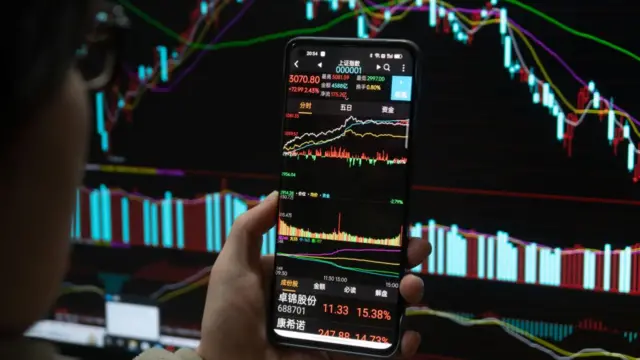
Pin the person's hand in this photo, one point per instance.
(235, 314)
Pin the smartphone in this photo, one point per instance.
(350, 107)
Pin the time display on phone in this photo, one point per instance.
(340, 251)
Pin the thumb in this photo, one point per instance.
(245, 239)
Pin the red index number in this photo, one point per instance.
(357, 336)
(335, 309)
(304, 79)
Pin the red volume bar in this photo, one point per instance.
(118, 218)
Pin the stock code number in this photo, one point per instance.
(291, 309)
(356, 336)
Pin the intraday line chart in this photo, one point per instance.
(350, 262)
(119, 218)
(371, 19)
(305, 146)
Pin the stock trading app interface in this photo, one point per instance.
(343, 189)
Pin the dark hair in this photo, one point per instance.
(48, 34)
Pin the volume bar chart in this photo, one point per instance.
(286, 230)
(352, 159)
(120, 219)
(117, 218)
(468, 254)
(351, 126)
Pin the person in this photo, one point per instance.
(43, 145)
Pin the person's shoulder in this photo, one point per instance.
(162, 354)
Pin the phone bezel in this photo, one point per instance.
(413, 49)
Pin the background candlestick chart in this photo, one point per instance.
(526, 166)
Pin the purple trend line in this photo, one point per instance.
(348, 250)
(217, 38)
(551, 52)
(528, 34)
(565, 65)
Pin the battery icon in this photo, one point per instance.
(397, 56)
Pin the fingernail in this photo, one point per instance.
(273, 195)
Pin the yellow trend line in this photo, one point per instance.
(311, 142)
(557, 90)
(378, 15)
(193, 286)
(497, 322)
(534, 55)
(409, 312)
(344, 258)
(401, 16)
(543, 70)
(188, 52)
(77, 289)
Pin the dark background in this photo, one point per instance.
(480, 144)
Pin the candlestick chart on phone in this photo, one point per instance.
(526, 166)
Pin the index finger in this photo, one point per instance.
(417, 251)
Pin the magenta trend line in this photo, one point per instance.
(564, 64)
(349, 250)
(524, 31)
(195, 62)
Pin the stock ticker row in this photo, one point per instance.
(578, 112)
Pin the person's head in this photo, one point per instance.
(43, 140)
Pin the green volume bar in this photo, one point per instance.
(167, 220)
(154, 225)
(105, 202)
(180, 224)
(124, 210)
(77, 223)
(146, 219)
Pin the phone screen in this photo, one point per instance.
(340, 249)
